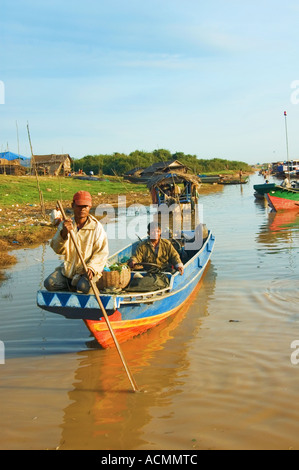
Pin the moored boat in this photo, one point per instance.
(210, 179)
(280, 198)
(260, 190)
(174, 188)
(229, 181)
(132, 313)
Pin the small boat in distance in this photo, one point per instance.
(174, 188)
(210, 179)
(286, 196)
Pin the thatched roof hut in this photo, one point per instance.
(164, 167)
(12, 167)
(52, 164)
(177, 178)
(174, 187)
(134, 175)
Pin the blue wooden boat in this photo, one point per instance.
(131, 313)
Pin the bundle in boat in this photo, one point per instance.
(118, 277)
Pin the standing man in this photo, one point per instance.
(92, 242)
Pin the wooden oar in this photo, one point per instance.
(96, 293)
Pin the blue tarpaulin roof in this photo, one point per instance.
(12, 156)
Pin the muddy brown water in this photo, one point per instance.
(222, 374)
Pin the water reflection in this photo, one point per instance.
(100, 411)
(211, 382)
(279, 230)
(285, 220)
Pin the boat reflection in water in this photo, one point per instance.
(280, 221)
(100, 411)
(278, 230)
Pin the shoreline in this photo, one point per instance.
(25, 227)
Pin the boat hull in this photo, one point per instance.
(262, 189)
(131, 314)
(283, 199)
(128, 329)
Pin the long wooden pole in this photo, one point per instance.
(96, 293)
(287, 144)
(41, 197)
(18, 141)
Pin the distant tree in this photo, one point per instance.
(119, 163)
(142, 159)
(162, 155)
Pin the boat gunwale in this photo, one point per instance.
(283, 189)
(101, 326)
(166, 289)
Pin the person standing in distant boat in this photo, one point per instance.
(56, 217)
(286, 183)
(92, 241)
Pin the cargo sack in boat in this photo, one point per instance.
(118, 276)
(149, 282)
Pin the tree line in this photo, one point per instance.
(120, 163)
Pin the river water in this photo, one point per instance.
(222, 374)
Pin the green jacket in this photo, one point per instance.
(166, 255)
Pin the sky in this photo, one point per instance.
(207, 78)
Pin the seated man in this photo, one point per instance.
(91, 239)
(157, 250)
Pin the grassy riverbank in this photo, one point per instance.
(20, 206)
(22, 224)
(23, 190)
